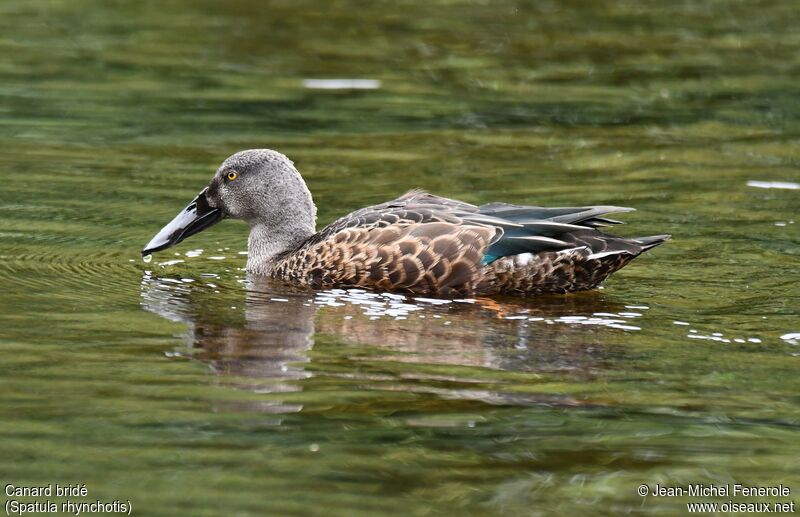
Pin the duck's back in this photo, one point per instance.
(421, 243)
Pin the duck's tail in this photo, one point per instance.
(555, 250)
(651, 241)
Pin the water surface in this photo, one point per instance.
(182, 385)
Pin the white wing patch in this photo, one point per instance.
(523, 259)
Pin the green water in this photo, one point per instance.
(188, 388)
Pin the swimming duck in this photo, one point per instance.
(418, 243)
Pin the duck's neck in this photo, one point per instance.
(286, 218)
(268, 242)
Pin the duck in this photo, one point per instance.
(419, 243)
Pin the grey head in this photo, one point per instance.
(261, 187)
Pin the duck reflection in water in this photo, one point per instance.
(267, 345)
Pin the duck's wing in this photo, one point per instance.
(534, 229)
(414, 207)
(515, 229)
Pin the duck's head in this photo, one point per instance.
(259, 186)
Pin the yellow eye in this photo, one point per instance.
(232, 175)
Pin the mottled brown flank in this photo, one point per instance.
(443, 259)
(436, 257)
